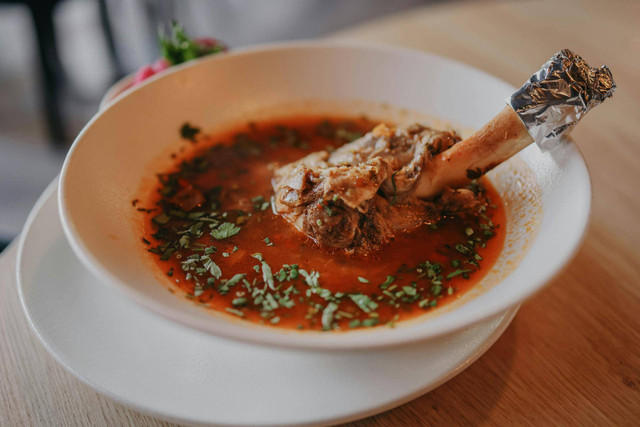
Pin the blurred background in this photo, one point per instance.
(58, 57)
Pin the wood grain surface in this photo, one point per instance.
(572, 355)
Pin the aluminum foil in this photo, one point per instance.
(559, 95)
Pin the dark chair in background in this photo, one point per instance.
(51, 69)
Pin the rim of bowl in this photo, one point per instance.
(372, 338)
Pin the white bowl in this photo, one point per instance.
(118, 88)
(113, 160)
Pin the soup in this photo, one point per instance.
(213, 230)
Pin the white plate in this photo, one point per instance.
(179, 374)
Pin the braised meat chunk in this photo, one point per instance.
(357, 197)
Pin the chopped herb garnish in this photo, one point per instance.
(259, 203)
(161, 219)
(365, 303)
(189, 132)
(239, 302)
(327, 315)
(225, 230)
(463, 249)
(213, 268)
(373, 321)
(234, 311)
(457, 273)
(387, 282)
(362, 280)
(408, 290)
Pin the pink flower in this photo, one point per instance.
(209, 43)
(143, 73)
(160, 65)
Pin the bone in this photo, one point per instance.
(544, 110)
(387, 177)
(495, 142)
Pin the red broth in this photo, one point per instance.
(415, 273)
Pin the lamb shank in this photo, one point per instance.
(396, 178)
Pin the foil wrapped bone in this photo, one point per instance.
(555, 98)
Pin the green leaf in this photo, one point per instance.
(239, 302)
(235, 279)
(355, 323)
(161, 219)
(234, 311)
(365, 303)
(367, 323)
(213, 268)
(267, 275)
(387, 282)
(310, 278)
(189, 132)
(457, 273)
(225, 230)
(327, 315)
(410, 291)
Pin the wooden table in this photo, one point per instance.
(572, 355)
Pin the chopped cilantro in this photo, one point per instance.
(373, 321)
(239, 302)
(235, 279)
(387, 282)
(327, 315)
(327, 209)
(457, 273)
(189, 132)
(365, 303)
(161, 219)
(224, 230)
(234, 311)
(355, 323)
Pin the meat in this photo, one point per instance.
(360, 195)
(374, 185)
